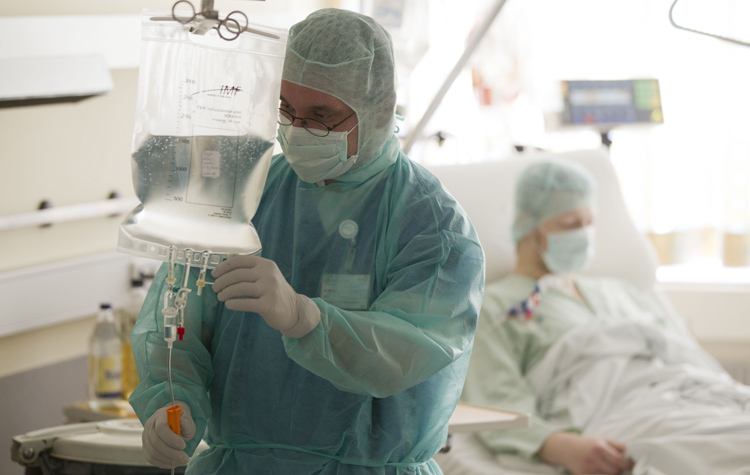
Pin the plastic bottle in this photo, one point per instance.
(105, 361)
(128, 316)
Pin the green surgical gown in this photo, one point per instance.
(505, 350)
(371, 388)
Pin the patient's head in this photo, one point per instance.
(553, 218)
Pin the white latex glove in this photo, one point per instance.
(255, 284)
(163, 447)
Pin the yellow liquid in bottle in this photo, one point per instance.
(129, 371)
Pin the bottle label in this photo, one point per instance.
(129, 371)
(108, 374)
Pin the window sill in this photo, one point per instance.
(704, 276)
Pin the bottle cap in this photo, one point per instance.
(104, 306)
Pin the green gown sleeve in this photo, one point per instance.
(191, 359)
(422, 321)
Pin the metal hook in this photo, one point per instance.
(208, 19)
(239, 28)
(712, 35)
(176, 18)
(211, 17)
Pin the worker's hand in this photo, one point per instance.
(255, 284)
(163, 447)
(585, 455)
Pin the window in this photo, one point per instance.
(686, 182)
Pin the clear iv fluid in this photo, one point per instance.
(170, 324)
(197, 170)
(197, 193)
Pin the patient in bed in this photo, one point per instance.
(613, 382)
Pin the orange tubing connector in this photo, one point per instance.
(173, 418)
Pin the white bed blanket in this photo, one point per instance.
(672, 404)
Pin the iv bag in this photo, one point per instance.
(205, 125)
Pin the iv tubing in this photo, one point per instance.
(170, 282)
(169, 373)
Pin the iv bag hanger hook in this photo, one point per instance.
(207, 11)
(208, 19)
(183, 20)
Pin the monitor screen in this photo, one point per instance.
(597, 103)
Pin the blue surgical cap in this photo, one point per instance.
(350, 57)
(547, 189)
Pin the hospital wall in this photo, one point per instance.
(68, 154)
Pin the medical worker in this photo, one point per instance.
(342, 348)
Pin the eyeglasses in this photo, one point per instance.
(315, 127)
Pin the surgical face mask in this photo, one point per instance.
(315, 159)
(569, 251)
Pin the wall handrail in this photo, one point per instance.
(95, 209)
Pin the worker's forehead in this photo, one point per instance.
(584, 213)
(301, 97)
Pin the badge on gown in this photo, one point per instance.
(347, 291)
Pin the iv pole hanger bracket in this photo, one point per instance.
(207, 19)
(706, 33)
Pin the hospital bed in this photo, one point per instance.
(486, 191)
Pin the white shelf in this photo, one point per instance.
(470, 418)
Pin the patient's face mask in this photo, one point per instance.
(569, 251)
(312, 158)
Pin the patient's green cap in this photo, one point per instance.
(547, 189)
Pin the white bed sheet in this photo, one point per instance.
(666, 399)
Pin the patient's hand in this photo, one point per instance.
(585, 455)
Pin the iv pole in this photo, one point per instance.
(470, 48)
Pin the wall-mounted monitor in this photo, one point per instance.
(606, 104)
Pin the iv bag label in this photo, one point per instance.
(108, 374)
(346, 291)
(213, 170)
(211, 164)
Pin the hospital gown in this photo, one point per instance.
(612, 365)
(371, 388)
(506, 349)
